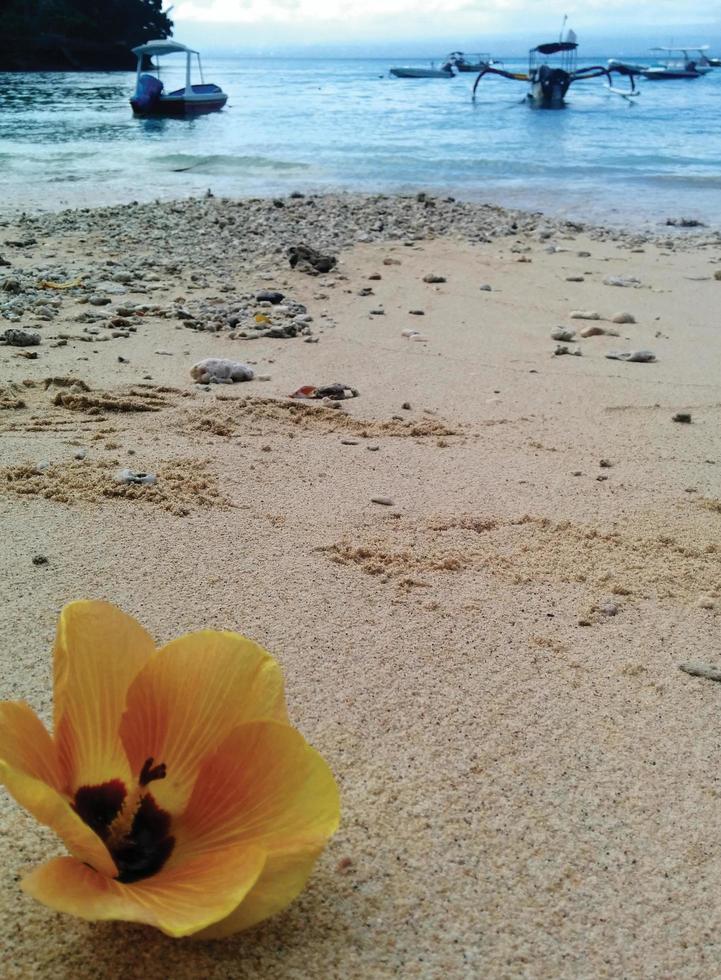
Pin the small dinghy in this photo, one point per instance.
(150, 99)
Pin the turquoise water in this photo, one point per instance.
(69, 139)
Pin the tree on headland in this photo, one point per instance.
(127, 21)
(31, 27)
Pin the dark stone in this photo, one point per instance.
(270, 296)
(308, 259)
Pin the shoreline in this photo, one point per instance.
(489, 662)
(673, 228)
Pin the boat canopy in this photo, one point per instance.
(152, 48)
(555, 46)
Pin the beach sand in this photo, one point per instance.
(489, 663)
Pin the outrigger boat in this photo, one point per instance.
(149, 98)
(549, 83)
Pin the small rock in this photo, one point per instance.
(167, 353)
(349, 442)
(575, 279)
(585, 315)
(608, 608)
(270, 296)
(385, 501)
(408, 333)
(134, 477)
(80, 454)
(39, 560)
(594, 331)
(624, 281)
(605, 464)
(485, 288)
(15, 337)
(122, 360)
(705, 602)
(219, 370)
(641, 356)
(685, 223)
(623, 318)
(563, 333)
(416, 312)
(681, 417)
(430, 278)
(373, 449)
(406, 406)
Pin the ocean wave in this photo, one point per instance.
(223, 163)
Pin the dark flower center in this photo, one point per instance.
(132, 825)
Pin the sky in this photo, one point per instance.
(406, 25)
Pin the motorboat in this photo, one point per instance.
(470, 62)
(445, 71)
(150, 97)
(552, 69)
(677, 64)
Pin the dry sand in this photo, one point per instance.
(529, 781)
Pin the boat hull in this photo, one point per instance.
(420, 73)
(668, 74)
(549, 87)
(201, 99)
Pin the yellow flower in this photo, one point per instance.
(186, 799)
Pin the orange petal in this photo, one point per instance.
(281, 881)
(26, 745)
(28, 769)
(98, 652)
(265, 786)
(179, 901)
(187, 700)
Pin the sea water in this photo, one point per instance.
(313, 125)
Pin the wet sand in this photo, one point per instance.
(490, 662)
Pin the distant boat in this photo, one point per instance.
(470, 62)
(678, 64)
(445, 71)
(150, 99)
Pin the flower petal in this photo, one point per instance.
(25, 743)
(29, 771)
(265, 786)
(281, 881)
(98, 652)
(189, 697)
(179, 901)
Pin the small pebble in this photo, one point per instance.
(349, 442)
(430, 278)
(608, 608)
(39, 560)
(681, 417)
(385, 501)
(134, 477)
(623, 318)
(406, 406)
(80, 454)
(585, 315)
